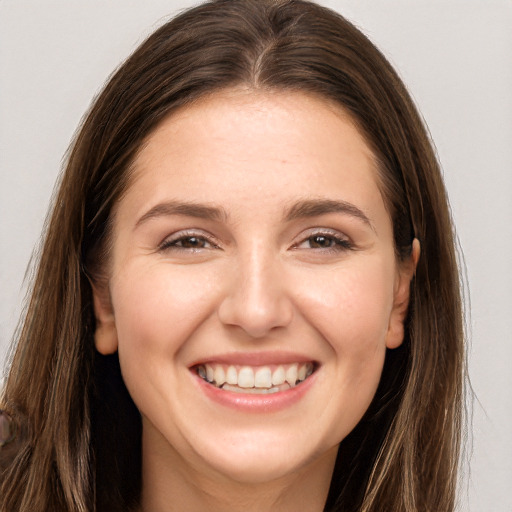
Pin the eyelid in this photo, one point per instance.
(169, 240)
(342, 241)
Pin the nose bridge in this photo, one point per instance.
(256, 273)
(257, 300)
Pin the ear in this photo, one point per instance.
(395, 334)
(105, 335)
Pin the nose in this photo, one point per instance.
(256, 299)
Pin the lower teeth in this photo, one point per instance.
(251, 391)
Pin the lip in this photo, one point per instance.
(254, 358)
(255, 403)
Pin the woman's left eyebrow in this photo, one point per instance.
(316, 207)
(188, 209)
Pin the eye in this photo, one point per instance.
(187, 242)
(325, 241)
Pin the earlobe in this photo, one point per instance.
(395, 334)
(105, 335)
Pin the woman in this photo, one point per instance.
(248, 295)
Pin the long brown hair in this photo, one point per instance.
(78, 446)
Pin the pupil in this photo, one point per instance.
(192, 242)
(321, 241)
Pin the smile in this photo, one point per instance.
(255, 379)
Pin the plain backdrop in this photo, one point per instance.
(455, 57)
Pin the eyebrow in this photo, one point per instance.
(316, 207)
(299, 210)
(189, 209)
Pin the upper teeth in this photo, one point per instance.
(255, 377)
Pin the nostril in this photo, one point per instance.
(256, 317)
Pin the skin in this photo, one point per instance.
(255, 280)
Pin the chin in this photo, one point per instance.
(260, 461)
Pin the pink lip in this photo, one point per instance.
(252, 403)
(254, 358)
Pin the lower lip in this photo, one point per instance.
(268, 402)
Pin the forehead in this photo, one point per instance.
(240, 146)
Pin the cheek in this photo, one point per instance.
(350, 306)
(158, 307)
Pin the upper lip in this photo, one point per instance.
(254, 358)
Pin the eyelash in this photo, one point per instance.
(336, 242)
(173, 242)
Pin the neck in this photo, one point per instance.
(171, 484)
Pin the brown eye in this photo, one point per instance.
(191, 242)
(184, 242)
(325, 242)
(320, 242)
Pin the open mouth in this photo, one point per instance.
(255, 379)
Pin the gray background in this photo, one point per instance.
(456, 58)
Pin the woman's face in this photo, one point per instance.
(253, 285)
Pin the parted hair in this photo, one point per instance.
(78, 444)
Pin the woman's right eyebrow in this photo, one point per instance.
(189, 209)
